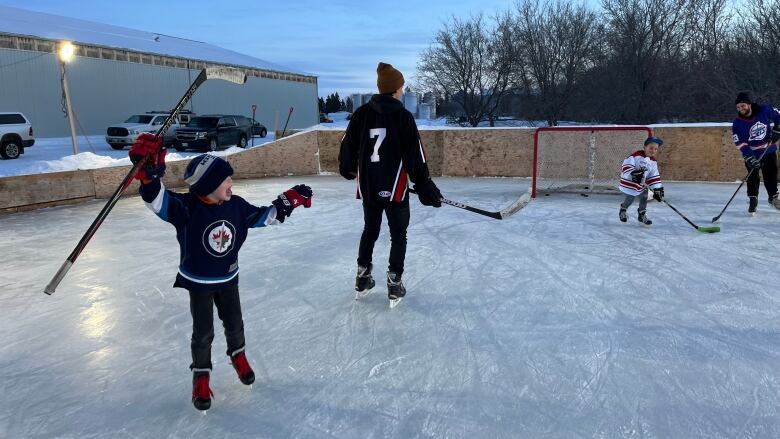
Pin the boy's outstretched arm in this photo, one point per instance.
(282, 206)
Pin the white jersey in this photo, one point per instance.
(651, 178)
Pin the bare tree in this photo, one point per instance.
(469, 65)
(646, 37)
(556, 42)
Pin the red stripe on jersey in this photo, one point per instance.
(653, 180)
(400, 186)
(630, 184)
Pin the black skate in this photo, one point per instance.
(622, 215)
(363, 282)
(774, 202)
(395, 288)
(201, 392)
(753, 205)
(643, 219)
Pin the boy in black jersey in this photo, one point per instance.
(382, 149)
(211, 225)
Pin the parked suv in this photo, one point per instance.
(212, 132)
(121, 135)
(16, 133)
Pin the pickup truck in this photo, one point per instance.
(212, 132)
(16, 133)
(124, 134)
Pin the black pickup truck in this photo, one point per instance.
(213, 132)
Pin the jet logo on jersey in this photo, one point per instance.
(757, 131)
(385, 194)
(218, 238)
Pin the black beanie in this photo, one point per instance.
(743, 97)
(205, 173)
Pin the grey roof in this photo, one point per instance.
(22, 22)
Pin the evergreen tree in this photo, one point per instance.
(321, 104)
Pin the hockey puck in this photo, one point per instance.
(584, 195)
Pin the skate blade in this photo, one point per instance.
(362, 294)
(395, 302)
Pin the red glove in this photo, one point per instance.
(148, 149)
(299, 195)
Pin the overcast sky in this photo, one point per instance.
(339, 41)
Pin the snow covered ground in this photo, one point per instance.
(558, 322)
(56, 154)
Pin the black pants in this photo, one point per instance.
(769, 172)
(202, 310)
(397, 220)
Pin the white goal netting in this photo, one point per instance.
(582, 159)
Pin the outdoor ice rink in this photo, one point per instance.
(558, 322)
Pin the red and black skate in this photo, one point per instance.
(243, 369)
(201, 393)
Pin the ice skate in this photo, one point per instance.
(364, 282)
(753, 205)
(201, 393)
(643, 219)
(395, 288)
(242, 367)
(622, 215)
(775, 202)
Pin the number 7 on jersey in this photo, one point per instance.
(380, 133)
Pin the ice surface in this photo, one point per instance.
(558, 322)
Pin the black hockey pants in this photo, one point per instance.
(397, 220)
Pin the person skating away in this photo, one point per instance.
(211, 225)
(640, 172)
(756, 130)
(383, 150)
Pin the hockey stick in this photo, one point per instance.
(501, 214)
(702, 229)
(717, 217)
(750, 172)
(227, 74)
(289, 113)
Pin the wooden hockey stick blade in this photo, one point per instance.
(226, 74)
(519, 204)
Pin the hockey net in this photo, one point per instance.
(582, 159)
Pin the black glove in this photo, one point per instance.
(752, 162)
(658, 194)
(428, 193)
(637, 175)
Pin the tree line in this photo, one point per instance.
(624, 61)
(333, 103)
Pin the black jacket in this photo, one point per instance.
(382, 147)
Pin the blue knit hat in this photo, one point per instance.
(205, 173)
(655, 140)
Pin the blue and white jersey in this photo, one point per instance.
(752, 135)
(209, 235)
(651, 178)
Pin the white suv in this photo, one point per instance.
(123, 134)
(16, 133)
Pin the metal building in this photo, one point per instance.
(118, 72)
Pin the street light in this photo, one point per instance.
(65, 54)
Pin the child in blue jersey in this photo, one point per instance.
(211, 225)
(640, 172)
(756, 130)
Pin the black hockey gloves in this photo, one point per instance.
(429, 194)
(636, 175)
(752, 162)
(658, 194)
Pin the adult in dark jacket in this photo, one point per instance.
(383, 151)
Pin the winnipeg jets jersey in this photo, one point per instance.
(651, 178)
(209, 235)
(752, 135)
